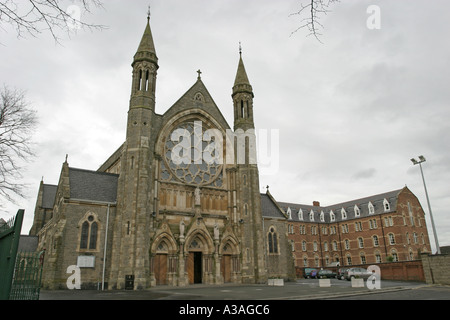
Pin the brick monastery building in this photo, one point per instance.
(147, 218)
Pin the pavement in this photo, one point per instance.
(302, 289)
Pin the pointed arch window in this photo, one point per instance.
(272, 241)
(140, 81)
(89, 234)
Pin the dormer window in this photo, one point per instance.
(332, 216)
(357, 211)
(371, 208)
(386, 205)
(343, 213)
(311, 215)
(322, 216)
(289, 213)
(300, 214)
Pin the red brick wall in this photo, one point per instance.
(400, 271)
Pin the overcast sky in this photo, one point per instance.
(350, 111)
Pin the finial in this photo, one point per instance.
(66, 157)
(240, 49)
(199, 74)
(148, 13)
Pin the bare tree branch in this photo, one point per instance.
(17, 124)
(310, 14)
(32, 17)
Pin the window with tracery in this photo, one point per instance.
(89, 233)
(193, 156)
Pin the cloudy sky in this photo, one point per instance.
(350, 111)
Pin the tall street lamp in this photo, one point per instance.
(414, 161)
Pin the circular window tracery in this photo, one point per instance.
(184, 161)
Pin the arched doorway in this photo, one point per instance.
(194, 261)
(229, 261)
(160, 263)
(163, 260)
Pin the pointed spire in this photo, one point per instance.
(146, 50)
(241, 83)
(241, 75)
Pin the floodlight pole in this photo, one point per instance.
(414, 161)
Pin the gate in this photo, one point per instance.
(9, 243)
(27, 276)
(20, 274)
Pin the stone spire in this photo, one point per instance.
(241, 76)
(145, 66)
(242, 98)
(146, 50)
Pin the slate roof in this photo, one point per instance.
(269, 208)
(48, 196)
(93, 185)
(362, 204)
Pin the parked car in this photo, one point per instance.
(341, 273)
(326, 274)
(357, 273)
(309, 273)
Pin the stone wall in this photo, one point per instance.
(436, 268)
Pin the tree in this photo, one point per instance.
(17, 124)
(310, 14)
(35, 16)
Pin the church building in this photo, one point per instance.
(178, 203)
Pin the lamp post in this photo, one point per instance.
(414, 161)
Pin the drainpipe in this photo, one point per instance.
(105, 246)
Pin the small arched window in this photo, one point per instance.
(273, 241)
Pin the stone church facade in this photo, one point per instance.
(178, 203)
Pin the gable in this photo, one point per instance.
(197, 97)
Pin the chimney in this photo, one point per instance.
(316, 203)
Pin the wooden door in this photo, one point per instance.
(194, 268)
(225, 267)
(161, 269)
(190, 267)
